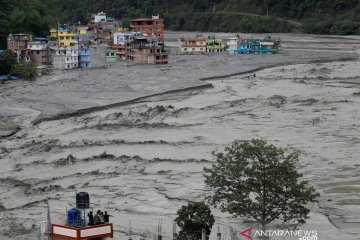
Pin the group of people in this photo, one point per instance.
(99, 218)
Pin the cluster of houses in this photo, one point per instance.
(235, 45)
(102, 41)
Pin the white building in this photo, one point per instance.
(196, 45)
(231, 45)
(100, 17)
(121, 37)
(65, 57)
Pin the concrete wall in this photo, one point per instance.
(98, 56)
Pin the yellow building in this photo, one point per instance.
(65, 38)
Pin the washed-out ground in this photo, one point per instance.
(143, 160)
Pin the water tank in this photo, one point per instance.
(82, 200)
(74, 217)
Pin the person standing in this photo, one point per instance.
(101, 216)
(91, 218)
(97, 220)
(107, 217)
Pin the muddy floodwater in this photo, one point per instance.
(143, 159)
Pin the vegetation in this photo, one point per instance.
(7, 62)
(259, 182)
(324, 16)
(25, 70)
(192, 219)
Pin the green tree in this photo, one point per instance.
(7, 62)
(192, 219)
(259, 182)
(24, 70)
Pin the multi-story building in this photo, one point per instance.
(143, 50)
(214, 45)
(65, 38)
(65, 57)
(120, 39)
(100, 17)
(195, 45)
(18, 44)
(84, 55)
(231, 45)
(83, 34)
(39, 51)
(110, 55)
(120, 51)
(149, 26)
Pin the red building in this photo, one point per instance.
(151, 26)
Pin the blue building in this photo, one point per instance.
(257, 46)
(84, 57)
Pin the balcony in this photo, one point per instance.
(97, 231)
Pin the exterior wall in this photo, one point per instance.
(84, 58)
(231, 41)
(121, 37)
(39, 53)
(193, 45)
(65, 58)
(215, 46)
(193, 49)
(18, 41)
(110, 56)
(232, 49)
(100, 17)
(98, 56)
(149, 26)
(65, 39)
(25, 55)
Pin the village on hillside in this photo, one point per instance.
(104, 41)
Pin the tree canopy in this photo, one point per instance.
(37, 16)
(259, 182)
(192, 219)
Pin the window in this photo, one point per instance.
(193, 49)
(107, 54)
(37, 52)
(67, 38)
(201, 49)
(67, 59)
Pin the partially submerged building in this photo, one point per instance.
(193, 45)
(84, 55)
(214, 45)
(142, 49)
(120, 39)
(64, 58)
(39, 52)
(258, 46)
(110, 55)
(231, 45)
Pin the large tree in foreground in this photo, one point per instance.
(259, 182)
(192, 219)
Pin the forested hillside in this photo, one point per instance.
(308, 16)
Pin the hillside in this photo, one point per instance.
(309, 16)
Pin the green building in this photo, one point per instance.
(214, 45)
(110, 55)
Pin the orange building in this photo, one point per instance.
(151, 26)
